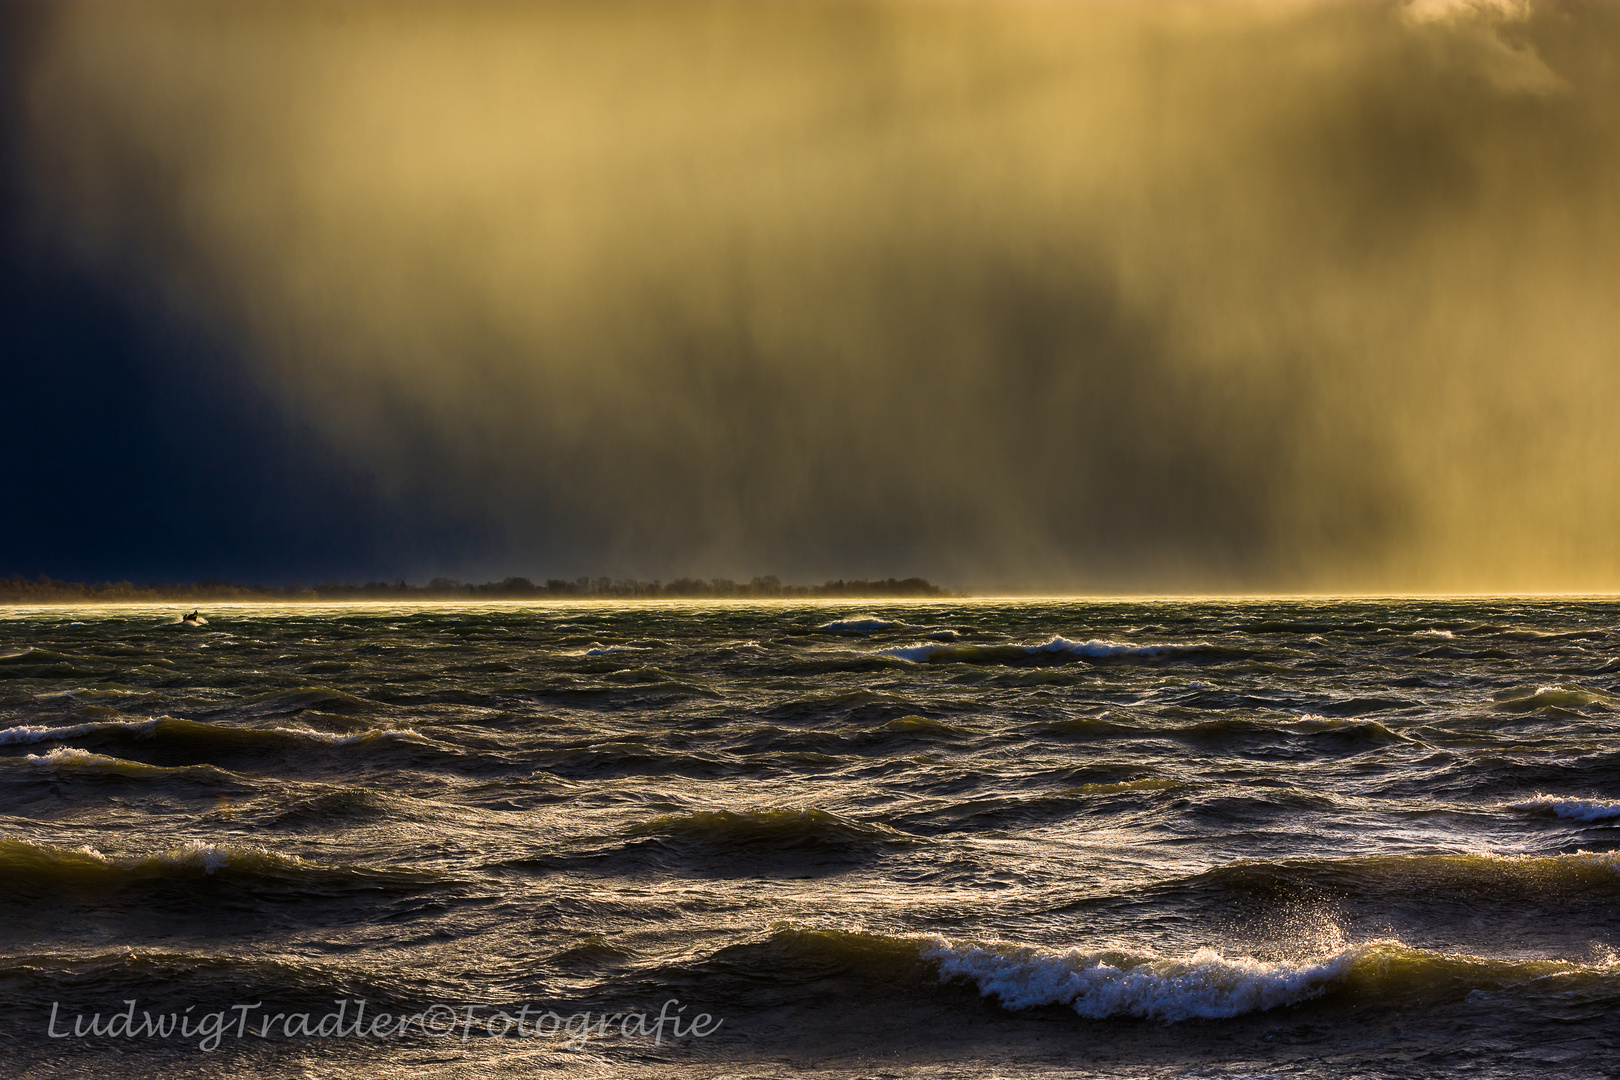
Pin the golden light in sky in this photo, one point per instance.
(1020, 294)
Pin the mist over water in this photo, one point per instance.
(1013, 295)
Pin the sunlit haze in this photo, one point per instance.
(1027, 296)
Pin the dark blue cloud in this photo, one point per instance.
(136, 449)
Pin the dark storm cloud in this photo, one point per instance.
(1035, 295)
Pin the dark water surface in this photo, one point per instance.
(967, 838)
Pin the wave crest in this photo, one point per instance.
(1207, 985)
(1059, 650)
(774, 829)
(197, 734)
(856, 626)
(1561, 698)
(1588, 810)
(1203, 985)
(30, 868)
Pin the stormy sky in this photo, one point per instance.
(1013, 294)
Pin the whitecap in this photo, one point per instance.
(1202, 985)
(1588, 810)
(72, 755)
(856, 626)
(610, 650)
(25, 736)
(206, 857)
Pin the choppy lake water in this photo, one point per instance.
(965, 838)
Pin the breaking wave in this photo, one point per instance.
(1060, 650)
(1203, 985)
(856, 626)
(1208, 985)
(1588, 810)
(613, 650)
(1114, 983)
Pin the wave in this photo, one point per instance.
(28, 867)
(1203, 985)
(23, 735)
(37, 663)
(1125, 982)
(1341, 708)
(35, 655)
(856, 626)
(788, 953)
(1123, 803)
(1127, 786)
(1092, 727)
(592, 952)
(172, 732)
(630, 757)
(71, 757)
(32, 860)
(1059, 650)
(1563, 698)
(776, 830)
(614, 650)
(1208, 985)
(1370, 732)
(1287, 626)
(732, 843)
(836, 745)
(922, 725)
(1442, 878)
(1327, 735)
(856, 706)
(1588, 810)
(1525, 634)
(324, 809)
(306, 698)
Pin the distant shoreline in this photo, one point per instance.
(43, 590)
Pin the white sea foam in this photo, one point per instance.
(1574, 809)
(855, 626)
(71, 755)
(206, 857)
(609, 650)
(1202, 985)
(1431, 632)
(27, 736)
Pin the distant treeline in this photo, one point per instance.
(44, 590)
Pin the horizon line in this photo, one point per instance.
(1102, 598)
